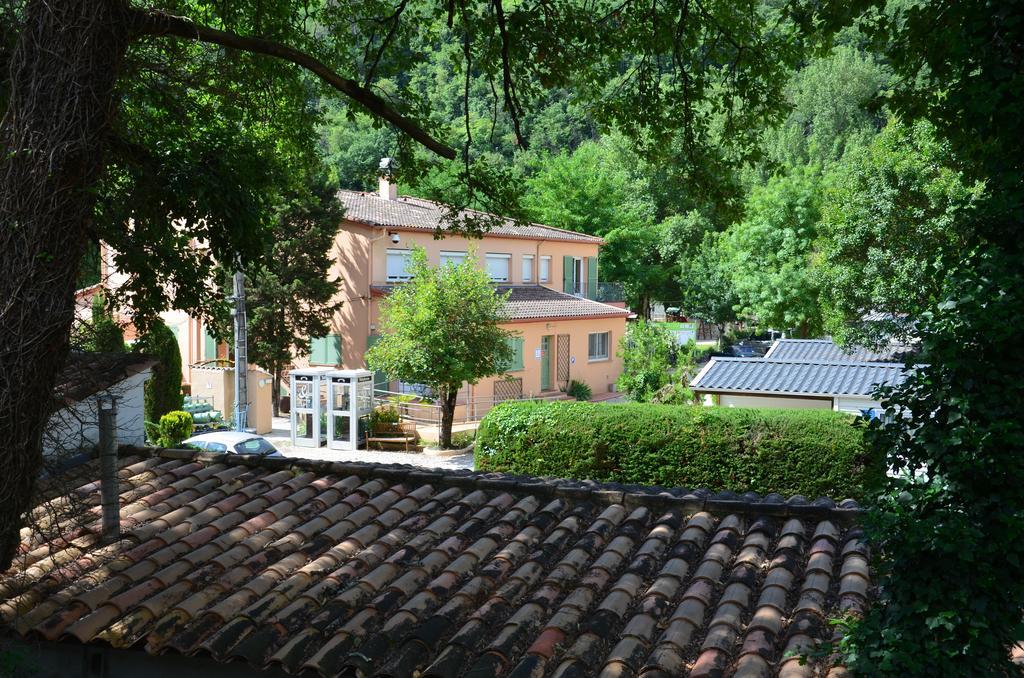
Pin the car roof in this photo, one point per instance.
(229, 437)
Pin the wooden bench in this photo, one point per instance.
(404, 435)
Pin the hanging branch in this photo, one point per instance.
(157, 23)
(394, 19)
(515, 111)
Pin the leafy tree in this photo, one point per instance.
(770, 252)
(184, 118)
(441, 329)
(291, 299)
(952, 572)
(707, 290)
(163, 390)
(645, 351)
(833, 101)
(101, 334)
(895, 220)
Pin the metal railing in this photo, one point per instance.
(425, 412)
(610, 291)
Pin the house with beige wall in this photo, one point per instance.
(551, 275)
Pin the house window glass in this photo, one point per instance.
(453, 258)
(597, 345)
(577, 276)
(325, 350)
(398, 264)
(545, 269)
(498, 267)
(527, 268)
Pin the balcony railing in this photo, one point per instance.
(609, 292)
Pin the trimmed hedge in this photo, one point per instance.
(808, 452)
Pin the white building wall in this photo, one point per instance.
(856, 405)
(769, 401)
(76, 428)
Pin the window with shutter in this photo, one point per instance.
(398, 265)
(527, 268)
(515, 362)
(325, 350)
(545, 269)
(453, 258)
(591, 277)
(209, 345)
(499, 267)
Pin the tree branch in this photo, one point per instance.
(511, 100)
(157, 23)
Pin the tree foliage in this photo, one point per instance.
(163, 390)
(441, 329)
(291, 298)
(770, 254)
(895, 220)
(645, 351)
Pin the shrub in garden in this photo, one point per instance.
(174, 428)
(163, 390)
(579, 390)
(807, 452)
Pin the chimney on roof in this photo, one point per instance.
(388, 186)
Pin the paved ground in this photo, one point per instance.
(281, 438)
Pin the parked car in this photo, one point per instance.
(743, 351)
(233, 442)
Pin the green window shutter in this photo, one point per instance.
(515, 362)
(567, 266)
(209, 345)
(380, 380)
(591, 277)
(325, 350)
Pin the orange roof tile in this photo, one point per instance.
(341, 567)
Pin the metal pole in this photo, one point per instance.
(241, 354)
(108, 469)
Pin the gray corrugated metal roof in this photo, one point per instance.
(826, 350)
(426, 215)
(796, 377)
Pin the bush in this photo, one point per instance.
(163, 390)
(383, 416)
(579, 390)
(812, 453)
(645, 351)
(174, 428)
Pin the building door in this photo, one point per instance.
(562, 361)
(545, 363)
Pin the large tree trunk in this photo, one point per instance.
(448, 399)
(52, 136)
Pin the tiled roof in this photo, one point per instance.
(86, 373)
(795, 377)
(826, 350)
(527, 302)
(341, 568)
(426, 215)
(536, 301)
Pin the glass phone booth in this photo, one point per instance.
(350, 400)
(309, 406)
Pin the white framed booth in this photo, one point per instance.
(309, 406)
(349, 401)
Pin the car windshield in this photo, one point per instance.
(254, 446)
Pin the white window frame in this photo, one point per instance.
(544, 272)
(607, 347)
(453, 257)
(407, 260)
(577, 276)
(499, 256)
(527, 268)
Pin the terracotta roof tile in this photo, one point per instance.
(426, 215)
(356, 569)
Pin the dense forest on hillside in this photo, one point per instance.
(837, 211)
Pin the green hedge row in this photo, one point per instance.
(809, 452)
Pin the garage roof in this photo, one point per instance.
(766, 376)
